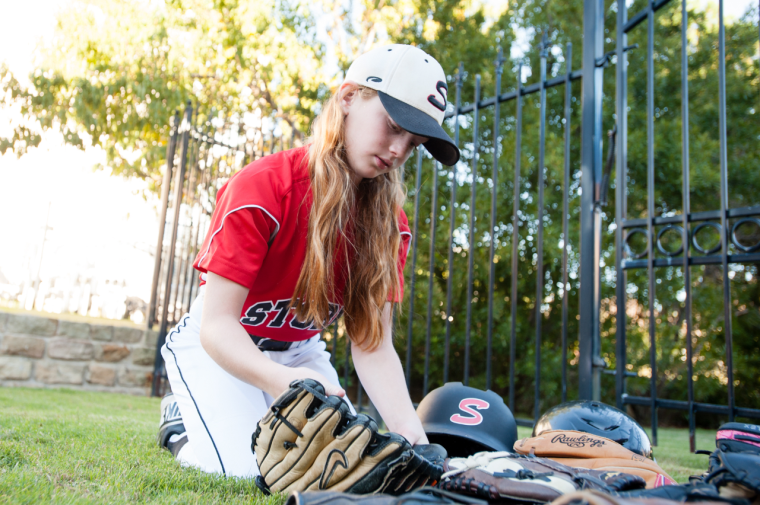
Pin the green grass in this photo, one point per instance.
(67, 446)
(672, 452)
(64, 446)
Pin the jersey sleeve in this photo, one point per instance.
(403, 252)
(243, 224)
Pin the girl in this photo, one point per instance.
(296, 239)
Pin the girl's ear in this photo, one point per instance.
(348, 92)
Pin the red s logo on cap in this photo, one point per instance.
(464, 406)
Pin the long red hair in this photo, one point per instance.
(366, 219)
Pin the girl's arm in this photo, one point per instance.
(381, 375)
(230, 346)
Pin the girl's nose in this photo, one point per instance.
(400, 144)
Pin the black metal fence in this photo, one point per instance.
(687, 225)
(469, 174)
(203, 152)
(511, 301)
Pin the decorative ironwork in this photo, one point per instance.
(688, 225)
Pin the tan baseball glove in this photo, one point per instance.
(583, 450)
(308, 441)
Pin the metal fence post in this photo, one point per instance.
(170, 149)
(591, 166)
(471, 247)
(492, 231)
(412, 276)
(452, 223)
(621, 171)
(184, 129)
(515, 239)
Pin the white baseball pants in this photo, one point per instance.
(219, 411)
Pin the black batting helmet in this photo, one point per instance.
(466, 420)
(599, 419)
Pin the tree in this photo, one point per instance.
(561, 22)
(279, 59)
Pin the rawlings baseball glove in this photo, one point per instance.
(309, 441)
(507, 477)
(584, 450)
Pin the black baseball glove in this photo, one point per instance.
(734, 466)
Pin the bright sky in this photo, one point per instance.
(99, 222)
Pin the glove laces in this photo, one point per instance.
(275, 408)
(475, 461)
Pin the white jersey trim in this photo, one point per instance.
(271, 237)
(410, 241)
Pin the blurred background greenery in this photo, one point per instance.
(115, 71)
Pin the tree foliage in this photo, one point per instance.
(561, 22)
(118, 69)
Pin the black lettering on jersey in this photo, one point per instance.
(299, 325)
(256, 314)
(283, 307)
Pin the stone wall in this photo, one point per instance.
(46, 352)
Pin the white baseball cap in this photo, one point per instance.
(412, 87)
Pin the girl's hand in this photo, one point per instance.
(291, 374)
(414, 434)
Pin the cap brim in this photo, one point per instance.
(488, 442)
(417, 122)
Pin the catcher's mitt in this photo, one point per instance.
(309, 441)
(584, 450)
(503, 476)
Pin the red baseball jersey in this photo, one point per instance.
(257, 238)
